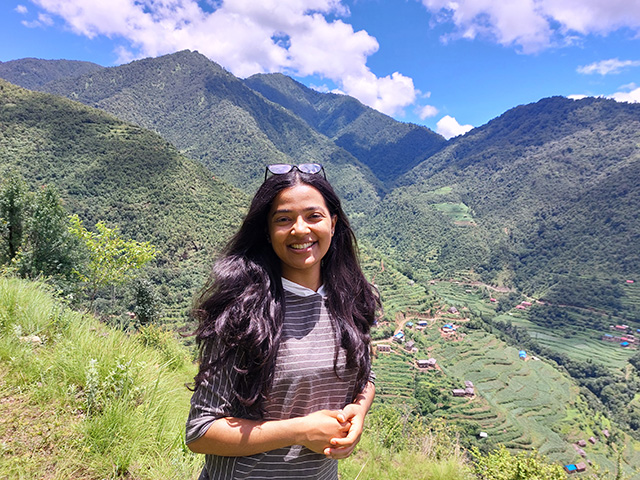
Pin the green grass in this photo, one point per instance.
(458, 212)
(90, 402)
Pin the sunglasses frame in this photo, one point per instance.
(302, 167)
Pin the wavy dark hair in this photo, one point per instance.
(241, 310)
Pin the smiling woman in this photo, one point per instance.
(285, 375)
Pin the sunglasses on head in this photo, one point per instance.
(283, 168)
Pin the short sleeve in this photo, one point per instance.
(213, 399)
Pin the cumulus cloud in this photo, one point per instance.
(628, 93)
(21, 9)
(606, 67)
(449, 127)
(298, 37)
(427, 111)
(533, 25)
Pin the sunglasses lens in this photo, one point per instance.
(309, 167)
(280, 168)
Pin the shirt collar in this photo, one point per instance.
(301, 291)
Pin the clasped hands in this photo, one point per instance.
(335, 433)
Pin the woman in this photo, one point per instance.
(284, 380)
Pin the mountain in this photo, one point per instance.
(390, 148)
(33, 73)
(212, 117)
(110, 170)
(550, 189)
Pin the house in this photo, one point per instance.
(621, 328)
(469, 392)
(629, 281)
(582, 443)
(458, 392)
(468, 384)
(409, 324)
(625, 344)
(449, 328)
(431, 363)
(607, 337)
(493, 300)
(593, 440)
(384, 348)
(570, 468)
(410, 346)
(521, 307)
(483, 435)
(605, 432)
(526, 304)
(453, 310)
(399, 337)
(581, 452)
(522, 354)
(423, 323)
(581, 467)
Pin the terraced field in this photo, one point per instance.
(580, 344)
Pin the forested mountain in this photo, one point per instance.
(112, 171)
(552, 191)
(33, 73)
(212, 117)
(390, 148)
(543, 198)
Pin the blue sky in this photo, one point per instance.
(449, 65)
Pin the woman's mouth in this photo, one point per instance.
(301, 246)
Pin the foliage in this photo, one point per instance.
(503, 465)
(146, 302)
(112, 259)
(88, 402)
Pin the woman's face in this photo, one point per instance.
(300, 231)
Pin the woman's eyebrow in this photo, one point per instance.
(289, 210)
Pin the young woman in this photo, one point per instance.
(285, 376)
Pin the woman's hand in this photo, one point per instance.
(322, 427)
(354, 414)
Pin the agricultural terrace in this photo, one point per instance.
(521, 404)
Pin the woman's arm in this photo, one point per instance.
(353, 413)
(236, 437)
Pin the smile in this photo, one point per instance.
(301, 246)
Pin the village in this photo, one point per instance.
(449, 330)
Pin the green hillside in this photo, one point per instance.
(390, 148)
(112, 171)
(33, 73)
(212, 117)
(546, 196)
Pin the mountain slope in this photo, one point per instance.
(388, 147)
(33, 73)
(551, 186)
(106, 169)
(212, 117)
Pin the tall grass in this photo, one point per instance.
(116, 402)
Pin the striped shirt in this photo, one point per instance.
(304, 382)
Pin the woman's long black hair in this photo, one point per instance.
(241, 311)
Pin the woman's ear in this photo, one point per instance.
(334, 220)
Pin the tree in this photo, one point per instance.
(112, 259)
(147, 302)
(14, 201)
(48, 248)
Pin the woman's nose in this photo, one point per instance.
(300, 227)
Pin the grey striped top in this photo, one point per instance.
(304, 382)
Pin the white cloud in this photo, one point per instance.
(533, 25)
(43, 20)
(21, 9)
(449, 127)
(246, 37)
(427, 111)
(606, 67)
(577, 97)
(630, 96)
